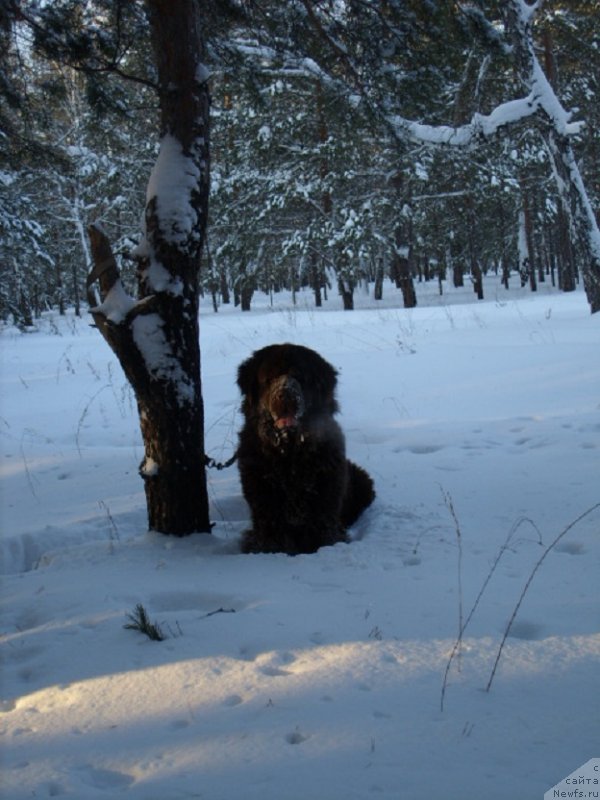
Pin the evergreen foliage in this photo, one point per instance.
(140, 621)
(312, 184)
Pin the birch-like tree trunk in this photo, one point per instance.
(556, 130)
(155, 336)
(556, 127)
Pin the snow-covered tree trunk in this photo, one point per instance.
(156, 336)
(556, 133)
(576, 203)
(379, 277)
(527, 255)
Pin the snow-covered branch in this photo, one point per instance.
(481, 126)
(527, 11)
(575, 200)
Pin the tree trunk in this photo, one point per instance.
(404, 281)
(402, 258)
(426, 268)
(556, 130)
(576, 204)
(476, 273)
(566, 263)
(156, 337)
(458, 274)
(528, 230)
(60, 294)
(379, 275)
(225, 299)
(477, 279)
(346, 289)
(315, 278)
(505, 271)
(246, 298)
(551, 250)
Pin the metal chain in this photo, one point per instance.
(212, 464)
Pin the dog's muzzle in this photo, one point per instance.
(286, 404)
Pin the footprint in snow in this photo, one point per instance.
(54, 789)
(22, 654)
(570, 548)
(273, 665)
(381, 715)
(232, 700)
(296, 737)
(425, 449)
(179, 724)
(105, 778)
(275, 672)
(528, 631)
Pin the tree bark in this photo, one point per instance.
(315, 278)
(476, 272)
(379, 276)
(458, 273)
(567, 278)
(346, 290)
(556, 131)
(246, 292)
(401, 268)
(477, 276)
(528, 225)
(156, 338)
(404, 280)
(576, 204)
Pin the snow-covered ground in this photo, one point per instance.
(318, 676)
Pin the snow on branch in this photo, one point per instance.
(551, 105)
(532, 74)
(289, 65)
(484, 126)
(115, 302)
(526, 10)
(541, 96)
(574, 197)
(481, 125)
(116, 305)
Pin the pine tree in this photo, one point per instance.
(155, 335)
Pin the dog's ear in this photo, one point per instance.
(323, 379)
(328, 376)
(329, 382)
(247, 376)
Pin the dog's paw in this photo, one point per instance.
(253, 542)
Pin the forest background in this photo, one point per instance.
(311, 183)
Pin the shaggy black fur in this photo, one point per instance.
(302, 491)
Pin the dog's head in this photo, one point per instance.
(287, 385)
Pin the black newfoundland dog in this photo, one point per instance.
(302, 491)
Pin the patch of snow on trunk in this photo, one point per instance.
(173, 179)
(151, 341)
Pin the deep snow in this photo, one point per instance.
(318, 676)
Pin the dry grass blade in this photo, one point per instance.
(538, 564)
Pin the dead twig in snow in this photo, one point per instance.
(516, 526)
(528, 583)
